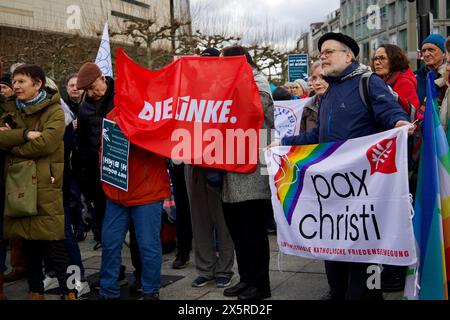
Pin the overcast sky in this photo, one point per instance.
(254, 16)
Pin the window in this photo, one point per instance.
(393, 38)
(364, 27)
(402, 40)
(138, 3)
(127, 16)
(434, 8)
(448, 9)
(358, 28)
(365, 52)
(358, 7)
(391, 14)
(383, 17)
(402, 9)
(364, 5)
(351, 32)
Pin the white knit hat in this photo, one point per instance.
(302, 84)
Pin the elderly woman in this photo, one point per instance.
(391, 64)
(311, 109)
(36, 121)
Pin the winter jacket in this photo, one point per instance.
(239, 187)
(309, 115)
(342, 113)
(444, 110)
(90, 119)
(148, 179)
(421, 76)
(48, 153)
(405, 85)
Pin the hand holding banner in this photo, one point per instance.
(344, 201)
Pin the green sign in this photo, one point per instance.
(297, 67)
(115, 152)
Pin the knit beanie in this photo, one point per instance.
(437, 40)
(302, 83)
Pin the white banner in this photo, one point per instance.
(288, 117)
(344, 201)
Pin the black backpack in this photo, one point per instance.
(365, 96)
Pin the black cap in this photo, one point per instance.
(6, 79)
(348, 41)
(210, 52)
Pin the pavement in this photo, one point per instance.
(291, 277)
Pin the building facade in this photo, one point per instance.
(86, 17)
(372, 22)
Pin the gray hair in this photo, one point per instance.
(347, 48)
(15, 66)
(315, 65)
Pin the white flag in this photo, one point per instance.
(103, 59)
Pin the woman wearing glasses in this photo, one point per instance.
(391, 64)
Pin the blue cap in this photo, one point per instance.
(437, 40)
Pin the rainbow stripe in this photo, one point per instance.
(289, 179)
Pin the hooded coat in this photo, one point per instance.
(405, 85)
(48, 153)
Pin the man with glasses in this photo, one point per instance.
(433, 53)
(342, 116)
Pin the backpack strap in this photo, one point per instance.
(364, 90)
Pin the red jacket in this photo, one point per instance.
(405, 85)
(148, 179)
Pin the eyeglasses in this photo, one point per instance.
(328, 52)
(381, 59)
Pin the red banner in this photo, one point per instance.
(200, 110)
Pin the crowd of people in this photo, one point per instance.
(50, 153)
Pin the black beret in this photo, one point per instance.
(348, 41)
(210, 52)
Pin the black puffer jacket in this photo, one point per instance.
(90, 117)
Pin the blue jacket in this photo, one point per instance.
(342, 113)
(421, 76)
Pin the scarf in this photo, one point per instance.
(38, 99)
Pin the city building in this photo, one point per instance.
(372, 22)
(87, 18)
(308, 40)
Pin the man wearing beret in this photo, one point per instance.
(342, 116)
(433, 52)
(98, 101)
